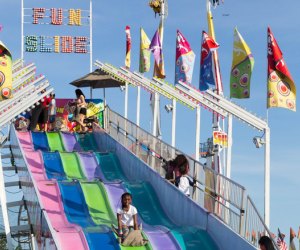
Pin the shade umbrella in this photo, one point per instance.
(97, 79)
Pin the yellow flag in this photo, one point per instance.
(144, 52)
(5, 73)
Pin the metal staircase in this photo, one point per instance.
(26, 91)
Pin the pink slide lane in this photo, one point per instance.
(66, 235)
(25, 140)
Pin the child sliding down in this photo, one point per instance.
(128, 231)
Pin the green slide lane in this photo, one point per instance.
(71, 165)
(55, 141)
(110, 166)
(98, 204)
(99, 207)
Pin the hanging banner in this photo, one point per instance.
(5, 73)
(220, 138)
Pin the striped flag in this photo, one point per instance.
(185, 59)
(241, 69)
(280, 241)
(207, 72)
(144, 52)
(5, 73)
(292, 236)
(281, 87)
(128, 47)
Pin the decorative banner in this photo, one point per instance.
(128, 47)
(241, 69)
(65, 108)
(144, 52)
(185, 59)
(220, 138)
(207, 69)
(281, 87)
(5, 73)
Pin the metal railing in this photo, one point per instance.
(255, 226)
(215, 192)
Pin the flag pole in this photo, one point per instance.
(219, 87)
(91, 44)
(156, 113)
(22, 31)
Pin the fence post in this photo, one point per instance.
(242, 214)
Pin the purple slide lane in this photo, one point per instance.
(70, 142)
(159, 238)
(90, 166)
(69, 236)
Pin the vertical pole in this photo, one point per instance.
(126, 100)
(174, 123)
(91, 44)
(22, 31)
(155, 114)
(267, 177)
(229, 148)
(4, 208)
(197, 153)
(138, 105)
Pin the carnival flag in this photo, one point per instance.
(128, 47)
(280, 241)
(5, 73)
(292, 236)
(156, 49)
(241, 69)
(185, 59)
(144, 52)
(281, 87)
(207, 66)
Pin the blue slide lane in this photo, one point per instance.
(150, 210)
(110, 166)
(53, 166)
(87, 142)
(40, 141)
(77, 212)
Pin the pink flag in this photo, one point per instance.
(185, 59)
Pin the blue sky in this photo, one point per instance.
(251, 18)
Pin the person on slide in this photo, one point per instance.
(128, 231)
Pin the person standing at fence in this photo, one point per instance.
(43, 117)
(172, 167)
(265, 243)
(80, 112)
(184, 181)
(52, 112)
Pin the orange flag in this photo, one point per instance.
(128, 47)
(281, 87)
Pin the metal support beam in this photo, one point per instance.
(4, 208)
(229, 147)
(173, 123)
(267, 177)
